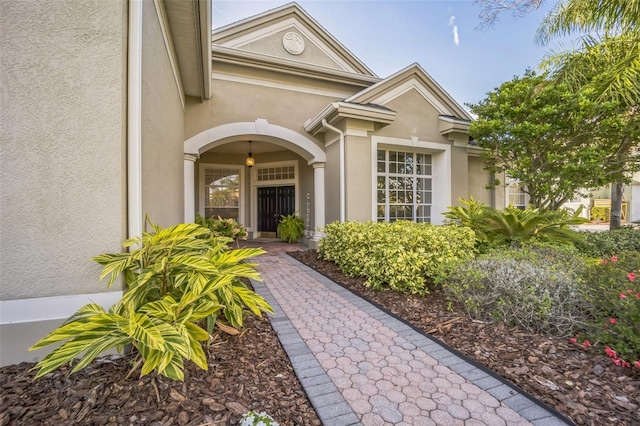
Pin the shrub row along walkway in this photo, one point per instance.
(361, 366)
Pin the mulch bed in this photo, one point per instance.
(582, 384)
(252, 371)
(247, 371)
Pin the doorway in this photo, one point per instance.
(273, 203)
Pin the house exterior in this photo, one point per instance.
(114, 110)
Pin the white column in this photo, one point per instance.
(318, 200)
(189, 190)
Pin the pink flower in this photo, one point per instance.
(631, 276)
(626, 364)
(630, 291)
(617, 361)
(614, 258)
(573, 340)
(611, 352)
(623, 296)
(613, 320)
(586, 344)
(638, 296)
(637, 363)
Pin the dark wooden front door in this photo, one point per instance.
(273, 203)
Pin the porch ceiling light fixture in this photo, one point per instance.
(250, 161)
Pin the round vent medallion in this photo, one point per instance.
(293, 43)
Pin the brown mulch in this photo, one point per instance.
(582, 384)
(249, 371)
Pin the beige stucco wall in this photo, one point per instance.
(63, 123)
(358, 179)
(459, 173)
(240, 102)
(332, 180)
(162, 128)
(416, 118)
(272, 46)
(478, 181)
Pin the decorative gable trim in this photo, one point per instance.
(414, 77)
(291, 15)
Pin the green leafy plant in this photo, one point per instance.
(607, 243)
(229, 228)
(512, 226)
(401, 255)
(613, 293)
(536, 287)
(291, 228)
(176, 280)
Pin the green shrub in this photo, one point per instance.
(290, 228)
(399, 255)
(613, 294)
(607, 243)
(512, 226)
(176, 279)
(536, 287)
(228, 228)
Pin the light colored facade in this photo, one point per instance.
(92, 104)
(359, 147)
(113, 110)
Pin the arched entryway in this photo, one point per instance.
(260, 131)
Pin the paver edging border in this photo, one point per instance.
(324, 396)
(455, 352)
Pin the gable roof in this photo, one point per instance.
(413, 77)
(246, 34)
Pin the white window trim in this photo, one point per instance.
(440, 171)
(201, 186)
(507, 189)
(255, 184)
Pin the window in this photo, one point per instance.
(276, 173)
(403, 186)
(222, 192)
(516, 197)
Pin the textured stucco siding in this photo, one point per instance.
(239, 102)
(479, 178)
(62, 191)
(162, 128)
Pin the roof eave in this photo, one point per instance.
(337, 111)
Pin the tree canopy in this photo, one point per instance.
(554, 141)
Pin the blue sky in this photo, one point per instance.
(390, 35)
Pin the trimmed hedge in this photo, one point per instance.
(609, 243)
(399, 255)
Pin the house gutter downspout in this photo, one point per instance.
(342, 185)
(134, 120)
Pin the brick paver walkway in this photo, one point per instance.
(360, 365)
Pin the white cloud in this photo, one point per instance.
(452, 23)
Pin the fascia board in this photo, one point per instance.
(272, 63)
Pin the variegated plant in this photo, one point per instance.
(177, 281)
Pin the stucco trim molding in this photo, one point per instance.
(51, 308)
(255, 130)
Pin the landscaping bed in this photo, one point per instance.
(583, 384)
(248, 371)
